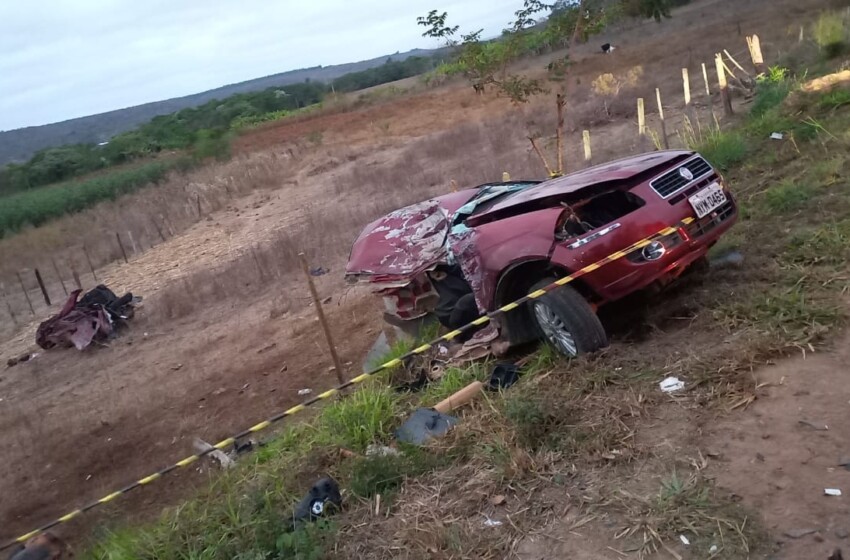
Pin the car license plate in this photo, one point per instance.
(708, 199)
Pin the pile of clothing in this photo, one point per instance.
(95, 317)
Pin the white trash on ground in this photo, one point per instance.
(672, 384)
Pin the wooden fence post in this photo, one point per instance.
(8, 305)
(686, 86)
(322, 320)
(754, 43)
(724, 86)
(88, 260)
(43, 288)
(641, 110)
(26, 295)
(59, 275)
(705, 80)
(661, 116)
(121, 246)
(561, 101)
(585, 139)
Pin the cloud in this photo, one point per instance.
(61, 59)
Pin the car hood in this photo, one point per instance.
(410, 240)
(612, 172)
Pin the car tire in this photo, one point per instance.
(566, 321)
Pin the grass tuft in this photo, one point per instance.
(723, 149)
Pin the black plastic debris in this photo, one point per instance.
(413, 386)
(319, 271)
(322, 499)
(503, 376)
(424, 424)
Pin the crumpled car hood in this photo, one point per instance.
(402, 243)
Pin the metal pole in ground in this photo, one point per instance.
(43, 288)
(26, 295)
(88, 259)
(121, 246)
(321, 315)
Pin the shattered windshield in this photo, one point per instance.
(488, 196)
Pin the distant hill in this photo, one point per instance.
(20, 144)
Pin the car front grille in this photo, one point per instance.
(673, 181)
(706, 224)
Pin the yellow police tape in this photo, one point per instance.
(484, 319)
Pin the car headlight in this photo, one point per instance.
(654, 251)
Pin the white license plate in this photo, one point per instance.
(708, 199)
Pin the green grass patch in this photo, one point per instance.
(787, 196)
(723, 148)
(366, 416)
(37, 206)
(830, 31)
(771, 91)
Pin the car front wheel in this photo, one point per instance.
(567, 322)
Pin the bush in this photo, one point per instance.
(830, 32)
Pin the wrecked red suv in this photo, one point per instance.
(475, 250)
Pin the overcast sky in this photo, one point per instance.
(61, 59)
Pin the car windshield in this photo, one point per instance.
(488, 195)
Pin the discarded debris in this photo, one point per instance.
(322, 499)
(832, 491)
(498, 500)
(491, 522)
(377, 450)
(503, 376)
(460, 398)
(223, 459)
(713, 549)
(423, 425)
(12, 362)
(96, 316)
(46, 546)
(672, 384)
(684, 540)
(319, 271)
(777, 136)
(302, 392)
(819, 427)
(799, 533)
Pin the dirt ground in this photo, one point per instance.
(776, 457)
(75, 426)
